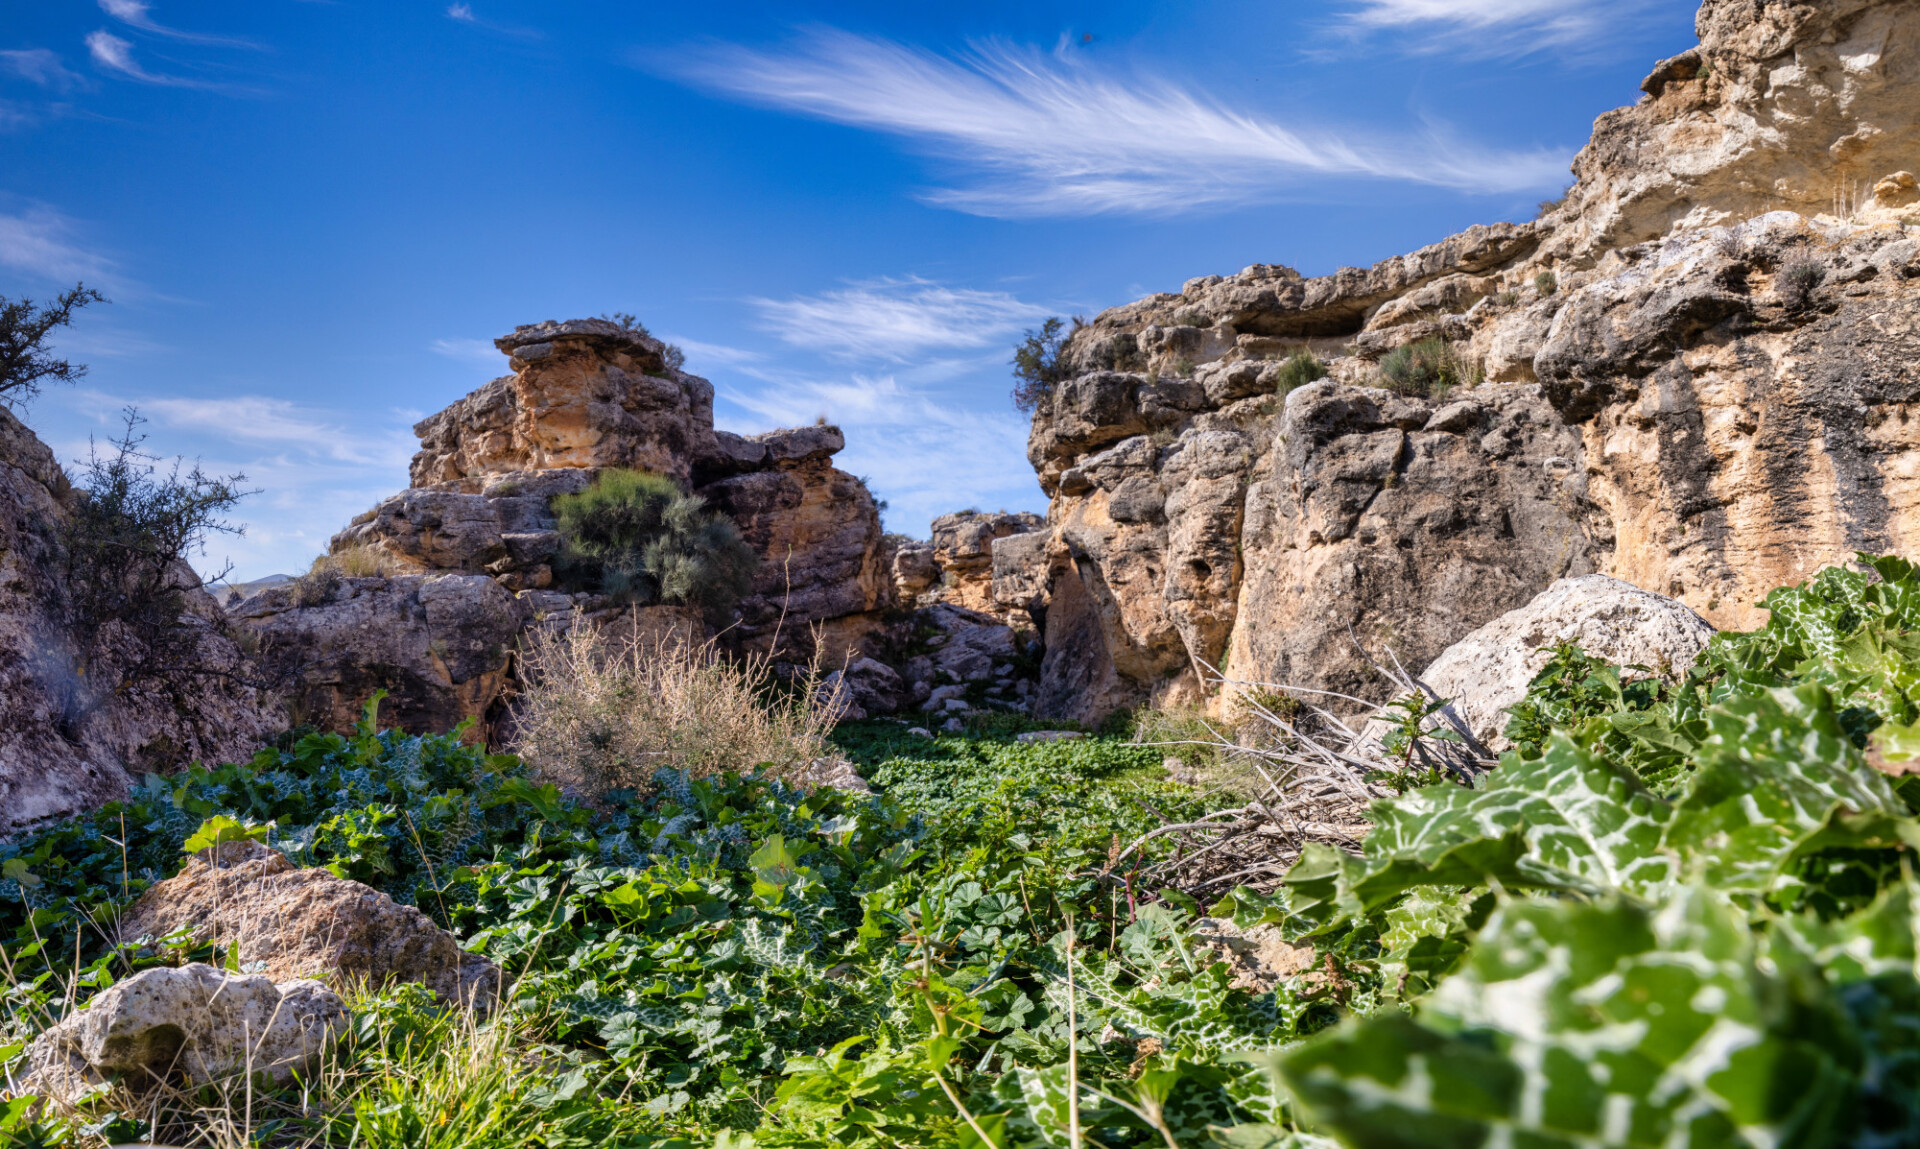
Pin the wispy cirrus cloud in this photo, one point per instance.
(40, 66)
(463, 13)
(480, 351)
(116, 55)
(1485, 28)
(896, 319)
(1052, 134)
(264, 420)
(40, 242)
(138, 14)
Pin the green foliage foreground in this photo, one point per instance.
(1680, 914)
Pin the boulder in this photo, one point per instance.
(1487, 672)
(202, 1023)
(869, 685)
(307, 923)
(440, 645)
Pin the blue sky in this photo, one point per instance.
(312, 217)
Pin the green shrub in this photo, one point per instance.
(1300, 369)
(639, 537)
(1037, 366)
(1546, 283)
(1427, 369)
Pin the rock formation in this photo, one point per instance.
(306, 923)
(1693, 375)
(460, 563)
(62, 750)
(199, 1023)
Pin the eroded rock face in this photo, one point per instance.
(306, 923)
(963, 546)
(585, 393)
(197, 1022)
(1659, 404)
(440, 645)
(63, 750)
(1804, 106)
(1488, 671)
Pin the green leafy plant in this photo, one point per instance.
(1546, 283)
(638, 536)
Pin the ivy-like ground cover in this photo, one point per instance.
(1682, 913)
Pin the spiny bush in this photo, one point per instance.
(1798, 281)
(1037, 366)
(639, 537)
(127, 589)
(1299, 369)
(605, 710)
(24, 329)
(1546, 283)
(1428, 369)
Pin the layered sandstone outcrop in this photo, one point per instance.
(459, 564)
(1695, 375)
(66, 743)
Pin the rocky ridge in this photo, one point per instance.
(1692, 375)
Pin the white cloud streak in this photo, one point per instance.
(461, 12)
(1485, 28)
(38, 242)
(40, 66)
(481, 351)
(116, 55)
(1050, 135)
(896, 319)
(136, 14)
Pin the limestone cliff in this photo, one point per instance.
(1696, 374)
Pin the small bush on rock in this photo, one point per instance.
(1798, 281)
(1037, 367)
(24, 328)
(639, 537)
(1427, 369)
(1546, 283)
(1301, 368)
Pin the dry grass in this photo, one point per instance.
(358, 562)
(604, 709)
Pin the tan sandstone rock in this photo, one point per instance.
(306, 923)
(203, 1024)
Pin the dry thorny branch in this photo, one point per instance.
(1318, 772)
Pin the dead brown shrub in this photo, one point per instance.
(604, 709)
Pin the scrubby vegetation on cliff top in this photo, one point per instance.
(1679, 914)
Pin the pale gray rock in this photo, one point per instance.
(205, 1024)
(1488, 671)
